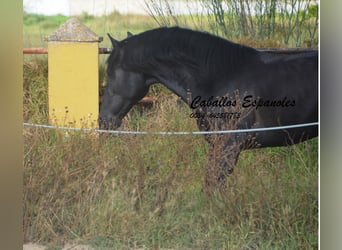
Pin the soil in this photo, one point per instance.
(33, 246)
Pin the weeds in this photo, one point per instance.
(120, 192)
(35, 90)
(146, 192)
(261, 23)
(291, 23)
(128, 191)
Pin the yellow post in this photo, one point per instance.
(73, 75)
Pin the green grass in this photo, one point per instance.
(37, 27)
(284, 32)
(130, 192)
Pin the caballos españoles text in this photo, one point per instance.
(249, 101)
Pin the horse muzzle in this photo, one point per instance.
(108, 124)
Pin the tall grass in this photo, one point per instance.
(286, 23)
(124, 192)
(260, 23)
(130, 192)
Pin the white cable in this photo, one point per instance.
(173, 133)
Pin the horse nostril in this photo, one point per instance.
(111, 123)
(117, 123)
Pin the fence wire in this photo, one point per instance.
(123, 132)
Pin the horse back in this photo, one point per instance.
(285, 79)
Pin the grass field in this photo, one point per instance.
(145, 192)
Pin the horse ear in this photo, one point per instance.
(115, 43)
(129, 34)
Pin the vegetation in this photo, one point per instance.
(286, 23)
(145, 192)
(37, 27)
(45, 22)
(260, 23)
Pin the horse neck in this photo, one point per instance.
(184, 82)
(183, 76)
(174, 85)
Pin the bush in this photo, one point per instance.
(46, 22)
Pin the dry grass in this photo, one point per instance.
(121, 192)
(124, 192)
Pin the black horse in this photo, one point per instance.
(220, 81)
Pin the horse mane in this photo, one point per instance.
(200, 52)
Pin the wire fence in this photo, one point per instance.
(122, 132)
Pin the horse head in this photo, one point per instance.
(124, 87)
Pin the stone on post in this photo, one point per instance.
(73, 75)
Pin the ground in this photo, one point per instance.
(32, 246)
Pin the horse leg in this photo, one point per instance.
(222, 161)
